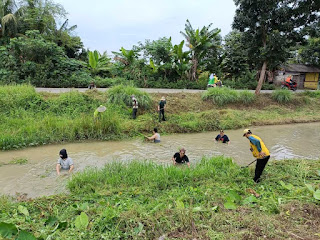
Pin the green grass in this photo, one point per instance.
(143, 200)
(224, 96)
(282, 95)
(122, 95)
(313, 94)
(30, 119)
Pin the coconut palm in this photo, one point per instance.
(199, 41)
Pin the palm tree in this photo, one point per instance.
(8, 20)
(199, 41)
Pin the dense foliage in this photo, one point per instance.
(36, 49)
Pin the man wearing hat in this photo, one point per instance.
(180, 157)
(259, 151)
(98, 111)
(134, 107)
(161, 107)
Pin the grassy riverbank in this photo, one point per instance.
(215, 199)
(29, 118)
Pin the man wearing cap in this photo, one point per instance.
(259, 151)
(180, 157)
(98, 111)
(134, 107)
(161, 107)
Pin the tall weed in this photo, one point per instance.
(122, 95)
(282, 95)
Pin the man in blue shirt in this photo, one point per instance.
(222, 137)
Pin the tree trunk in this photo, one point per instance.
(194, 69)
(261, 79)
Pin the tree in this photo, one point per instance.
(199, 42)
(310, 54)
(235, 56)
(271, 27)
(181, 60)
(126, 57)
(8, 20)
(158, 50)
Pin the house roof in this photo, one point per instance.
(301, 68)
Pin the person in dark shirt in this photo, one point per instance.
(180, 157)
(161, 107)
(222, 137)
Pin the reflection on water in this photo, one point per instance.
(38, 176)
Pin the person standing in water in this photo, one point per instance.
(222, 137)
(155, 137)
(64, 162)
(259, 151)
(180, 157)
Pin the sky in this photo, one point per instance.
(108, 25)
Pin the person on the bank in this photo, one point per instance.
(64, 162)
(161, 108)
(180, 157)
(222, 137)
(98, 111)
(155, 137)
(259, 151)
(134, 106)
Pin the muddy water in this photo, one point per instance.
(38, 176)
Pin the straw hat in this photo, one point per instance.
(101, 108)
(163, 99)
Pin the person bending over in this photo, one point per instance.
(155, 137)
(259, 151)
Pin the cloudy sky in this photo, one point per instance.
(107, 25)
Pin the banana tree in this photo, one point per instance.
(127, 57)
(198, 41)
(98, 63)
(181, 59)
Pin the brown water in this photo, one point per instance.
(38, 177)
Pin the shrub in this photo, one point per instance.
(282, 95)
(221, 96)
(122, 95)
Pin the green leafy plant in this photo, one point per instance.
(282, 95)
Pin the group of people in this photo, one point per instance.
(257, 147)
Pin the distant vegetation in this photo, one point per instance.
(36, 49)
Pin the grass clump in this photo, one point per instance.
(223, 96)
(282, 95)
(143, 200)
(122, 95)
(312, 94)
